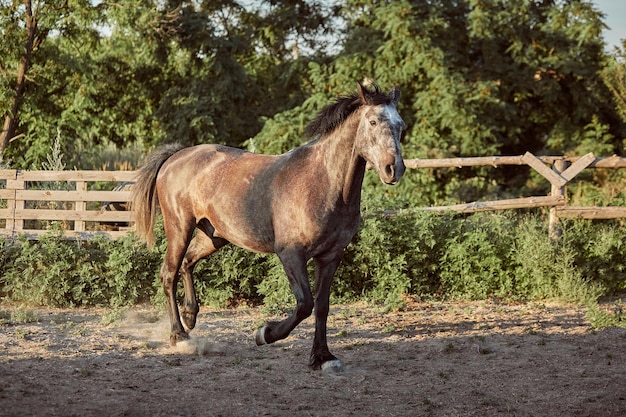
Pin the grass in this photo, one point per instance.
(20, 315)
(601, 318)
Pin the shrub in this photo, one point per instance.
(475, 261)
(230, 277)
(413, 253)
(375, 263)
(598, 251)
(275, 289)
(534, 257)
(53, 271)
(130, 271)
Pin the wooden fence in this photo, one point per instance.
(564, 169)
(31, 200)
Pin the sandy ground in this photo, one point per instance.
(433, 359)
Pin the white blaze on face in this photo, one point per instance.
(391, 114)
(396, 124)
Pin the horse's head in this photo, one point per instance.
(379, 132)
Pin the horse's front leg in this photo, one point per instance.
(294, 264)
(321, 358)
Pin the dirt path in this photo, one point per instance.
(434, 359)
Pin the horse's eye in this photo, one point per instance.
(373, 122)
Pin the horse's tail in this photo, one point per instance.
(144, 199)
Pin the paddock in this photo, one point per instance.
(431, 359)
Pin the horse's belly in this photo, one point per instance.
(267, 236)
(230, 225)
(317, 237)
(253, 245)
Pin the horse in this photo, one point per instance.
(117, 206)
(301, 205)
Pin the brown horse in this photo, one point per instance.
(300, 205)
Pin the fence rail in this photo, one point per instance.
(31, 200)
(564, 169)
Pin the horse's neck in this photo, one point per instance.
(343, 164)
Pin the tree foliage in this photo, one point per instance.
(139, 71)
(478, 77)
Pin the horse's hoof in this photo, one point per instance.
(260, 336)
(174, 337)
(189, 320)
(334, 366)
(188, 315)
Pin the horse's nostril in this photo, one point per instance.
(389, 170)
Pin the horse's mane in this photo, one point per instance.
(331, 116)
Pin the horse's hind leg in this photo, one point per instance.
(201, 246)
(176, 247)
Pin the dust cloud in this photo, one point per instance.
(153, 329)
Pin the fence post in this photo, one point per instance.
(555, 231)
(80, 206)
(15, 225)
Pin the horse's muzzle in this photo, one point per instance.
(394, 172)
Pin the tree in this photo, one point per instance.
(614, 75)
(480, 77)
(34, 71)
(225, 67)
(147, 72)
(21, 41)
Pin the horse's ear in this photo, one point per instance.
(363, 92)
(394, 94)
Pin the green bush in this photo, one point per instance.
(58, 272)
(479, 256)
(476, 258)
(230, 277)
(53, 271)
(275, 289)
(413, 253)
(534, 257)
(130, 271)
(598, 252)
(547, 270)
(374, 267)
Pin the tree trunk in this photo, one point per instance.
(11, 118)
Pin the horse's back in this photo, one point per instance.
(219, 184)
(196, 158)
